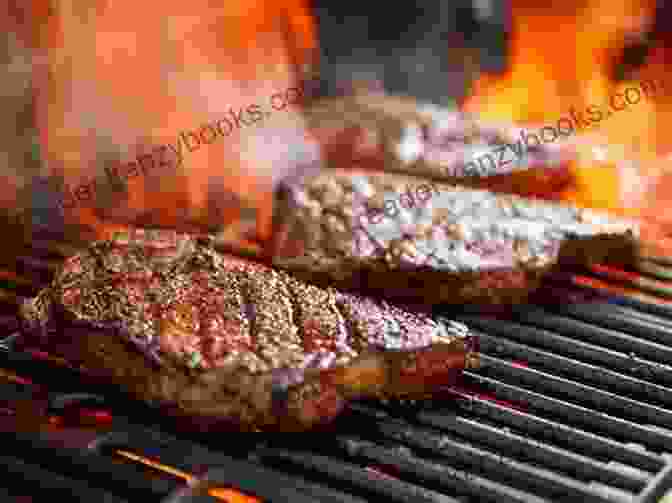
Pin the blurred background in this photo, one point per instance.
(89, 83)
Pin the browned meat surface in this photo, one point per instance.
(428, 242)
(397, 134)
(236, 342)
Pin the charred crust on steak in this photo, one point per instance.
(455, 248)
(402, 135)
(230, 341)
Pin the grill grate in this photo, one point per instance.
(572, 403)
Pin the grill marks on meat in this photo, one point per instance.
(224, 341)
(225, 325)
(322, 324)
(277, 341)
(236, 314)
(377, 323)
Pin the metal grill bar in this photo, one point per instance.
(579, 381)
(99, 469)
(585, 351)
(575, 414)
(598, 335)
(576, 369)
(551, 431)
(659, 487)
(523, 446)
(625, 311)
(657, 329)
(191, 457)
(570, 390)
(356, 477)
(432, 471)
(443, 476)
(33, 478)
(524, 476)
(263, 482)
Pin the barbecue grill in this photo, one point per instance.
(572, 403)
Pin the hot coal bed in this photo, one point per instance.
(572, 402)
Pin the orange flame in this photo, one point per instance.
(561, 59)
(124, 76)
(224, 494)
(120, 74)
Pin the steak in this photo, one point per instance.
(417, 241)
(232, 342)
(399, 134)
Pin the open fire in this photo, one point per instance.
(622, 163)
(564, 62)
(570, 400)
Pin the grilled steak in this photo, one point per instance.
(395, 134)
(235, 342)
(418, 241)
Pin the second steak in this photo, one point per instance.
(420, 241)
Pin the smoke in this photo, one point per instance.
(420, 49)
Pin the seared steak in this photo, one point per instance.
(418, 241)
(397, 134)
(221, 338)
